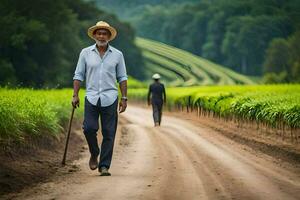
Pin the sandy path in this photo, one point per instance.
(179, 160)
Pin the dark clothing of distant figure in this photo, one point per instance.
(157, 96)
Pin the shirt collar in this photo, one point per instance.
(94, 48)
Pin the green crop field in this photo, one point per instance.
(276, 106)
(181, 68)
(26, 112)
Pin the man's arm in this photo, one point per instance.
(149, 94)
(123, 101)
(76, 87)
(122, 80)
(79, 76)
(165, 96)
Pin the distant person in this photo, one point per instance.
(101, 65)
(157, 97)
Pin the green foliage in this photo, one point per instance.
(275, 105)
(134, 83)
(42, 39)
(272, 77)
(277, 56)
(234, 33)
(127, 9)
(7, 73)
(247, 37)
(28, 113)
(181, 68)
(283, 57)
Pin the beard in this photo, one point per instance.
(101, 43)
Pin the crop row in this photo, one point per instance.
(275, 106)
(202, 70)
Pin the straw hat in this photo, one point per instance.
(104, 25)
(156, 76)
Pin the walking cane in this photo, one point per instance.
(68, 136)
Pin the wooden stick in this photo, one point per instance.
(68, 136)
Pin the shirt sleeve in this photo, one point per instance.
(121, 70)
(79, 73)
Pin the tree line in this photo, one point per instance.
(40, 41)
(253, 37)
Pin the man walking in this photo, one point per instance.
(101, 65)
(157, 96)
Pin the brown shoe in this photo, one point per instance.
(104, 172)
(93, 163)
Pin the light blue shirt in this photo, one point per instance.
(101, 74)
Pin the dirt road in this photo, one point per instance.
(179, 160)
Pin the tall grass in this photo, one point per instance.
(27, 112)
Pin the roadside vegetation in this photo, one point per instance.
(268, 106)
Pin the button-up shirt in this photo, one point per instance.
(101, 74)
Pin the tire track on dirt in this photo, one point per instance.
(236, 179)
(178, 180)
(240, 177)
(179, 160)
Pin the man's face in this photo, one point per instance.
(102, 36)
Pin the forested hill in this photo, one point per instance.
(251, 37)
(40, 41)
(181, 68)
(127, 9)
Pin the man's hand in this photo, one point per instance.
(122, 105)
(75, 102)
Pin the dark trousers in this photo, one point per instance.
(109, 120)
(157, 111)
